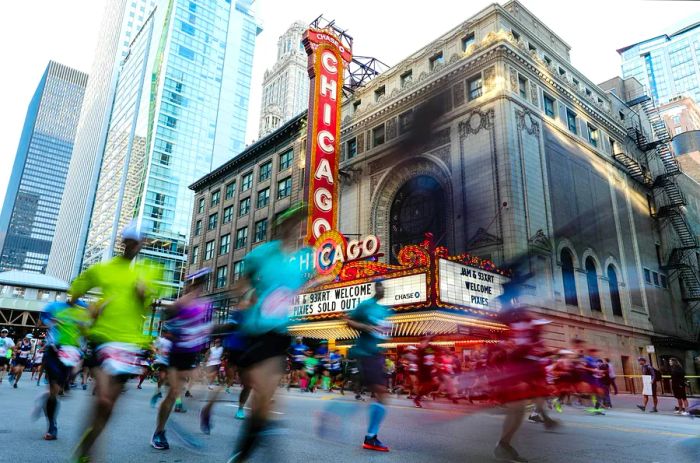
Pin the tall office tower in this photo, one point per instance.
(121, 20)
(179, 110)
(286, 85)
(28, 218)
(668, 64)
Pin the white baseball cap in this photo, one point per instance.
(132, 232)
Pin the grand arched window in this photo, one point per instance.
(614, 291)
(418, 207)
(592, 279)
(567, 273)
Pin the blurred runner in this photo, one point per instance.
(297, 353)
(335, 368)
(186, 323)
(128, 290)
(162, 346)
(66, 325)
(213, 362)
(369, 318)
(272, 269)
(38, 361)
(6, 345)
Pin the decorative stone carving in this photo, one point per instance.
(474, 122)
(395, 92)
(540, 241)
(373, 181)
(350, 175)
(360, 143)
(513, 80)
(489, 78)
(527, 121)
(454, 58)
(458, 94)
(444, 155)
(391, 128)
(482, 239)
(423, 75)
(534, 96)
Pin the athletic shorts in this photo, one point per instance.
(4, 361)
(55, 370)
(21, 362)
(296, 366)
(372, 370)
(266, 346)
(90, 360)
(183, 361)
(213, 368)
(233, 356)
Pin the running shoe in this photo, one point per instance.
(14, 385)
(240, 414)
(49, 436)
(154, 399)
(38, 382)
(417, 403)
(653, 410)
(372, 443)
(685, 414)
(641, 407)
(159, 442)
(535, 419)
(505, 452)
(187, 394)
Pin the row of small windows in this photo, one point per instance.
(241, 241)
(569, 280)
(378, 133)
(284, 189)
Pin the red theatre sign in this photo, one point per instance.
(327, 60)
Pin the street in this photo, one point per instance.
(438, 433)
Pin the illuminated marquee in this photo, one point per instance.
(327, 60)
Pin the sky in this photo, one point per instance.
(390, 30)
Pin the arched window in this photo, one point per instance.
(418, 207)
(614, 291)
(592, 278)
(567, 273)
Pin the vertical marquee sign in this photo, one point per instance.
(328, 58)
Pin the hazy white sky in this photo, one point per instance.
(36, 31)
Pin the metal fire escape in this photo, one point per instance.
(673, 208)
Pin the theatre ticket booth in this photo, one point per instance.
(453, 298)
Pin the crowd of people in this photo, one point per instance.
(104, 343)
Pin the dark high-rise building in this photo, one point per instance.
(28, 218)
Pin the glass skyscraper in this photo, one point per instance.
(121, 21)
(669, 65)
(28, 218)
(180, 109)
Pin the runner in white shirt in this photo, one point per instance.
(38, 362)
(6, 343)
(214, 361)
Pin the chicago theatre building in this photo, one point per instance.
(484, 148)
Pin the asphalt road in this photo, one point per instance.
(438, 433)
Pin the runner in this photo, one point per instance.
(213, 362)
(272, 270)
(297, 353)
(410, 362)
(23, 355)
(234, 346)
(189, 332)
(6, 345)
(162, 347)
(128, 290)
(369, 318)
(310, 372)
(335, 368)
(66, 325)
(38, 362)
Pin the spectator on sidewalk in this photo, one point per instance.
(678, 386)
(612, 375)
(649, 385)
(604, 377)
